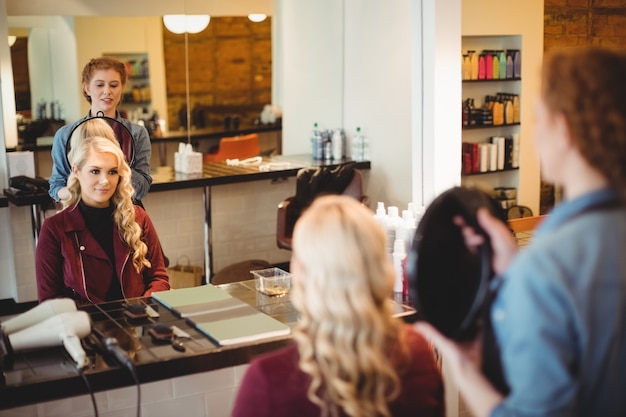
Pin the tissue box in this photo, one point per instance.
(21, 163)
(188, 162)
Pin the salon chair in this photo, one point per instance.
(313, 182)
(236, 147)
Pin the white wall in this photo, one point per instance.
(8, 287)
(312, 69)
(384, 81)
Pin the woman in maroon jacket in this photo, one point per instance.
(351, 357)
(100, 247)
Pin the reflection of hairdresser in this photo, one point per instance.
(560, 316)
(350, 356)
(103, 80)
(100, 247)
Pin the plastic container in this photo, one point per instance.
(272, 281)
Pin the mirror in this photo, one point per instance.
(55, 74)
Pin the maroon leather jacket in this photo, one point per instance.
(71, 263)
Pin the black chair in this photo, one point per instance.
(313, 182)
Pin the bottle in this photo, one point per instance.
(516, 109)
(399, 253)
(502, 64)
(495, 71)
(366, 148)
(473, 65)
(482, 72)
(317, 144)
(393, 222)
(517, 64)
(509, 64)
(508, 111)
(337, 145)
(467, 67)
(382, 219)
(406, 229)
(356, 149)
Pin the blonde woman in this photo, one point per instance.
(100, 247)
(350, 356)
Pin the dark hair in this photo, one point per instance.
(104, 62)
(588, 87)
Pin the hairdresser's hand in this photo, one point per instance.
(464, 360)
(64, 193)
(459, 355)
(503, 243)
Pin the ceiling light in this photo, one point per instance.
(12, 40)
(190, 23)
(257, 17)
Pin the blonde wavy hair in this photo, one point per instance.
(122, 199)
(346, 334)
(96, 126)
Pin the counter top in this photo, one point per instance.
(219, 173)
(214, 173)
(50, 374)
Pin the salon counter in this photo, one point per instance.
(219, 173)
(50, 374)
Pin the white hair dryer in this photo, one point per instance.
(62, 329)
(37, 314)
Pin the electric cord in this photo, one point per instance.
(91, 393)
(112, 346)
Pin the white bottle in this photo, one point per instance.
(366, 148)
(399, 253)
(383, 219)
(357, 144)
(406, 230)
(393, 222)
(337, 145)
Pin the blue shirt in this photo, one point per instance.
(560, 315)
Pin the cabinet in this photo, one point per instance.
(491, 128)
(136, 95)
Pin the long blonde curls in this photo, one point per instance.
(346, 333)
(124, 212)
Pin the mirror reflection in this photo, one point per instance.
(218, 77)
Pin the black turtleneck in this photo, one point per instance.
(99, 222)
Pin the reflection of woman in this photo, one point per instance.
(103, 82)
(350, 356)
(560, 316)
(100, 247)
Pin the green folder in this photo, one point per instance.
(220, 316)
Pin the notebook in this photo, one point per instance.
(220, 316)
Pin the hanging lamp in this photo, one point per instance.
(190, 23)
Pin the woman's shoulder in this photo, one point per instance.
(284, 358)
(136, 129)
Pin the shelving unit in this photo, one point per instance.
(478, 89)
(137, 93)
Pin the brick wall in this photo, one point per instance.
(584, 22)
(569, 23)
(230, 68)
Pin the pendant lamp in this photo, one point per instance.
(190, 23)
(257, 17)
